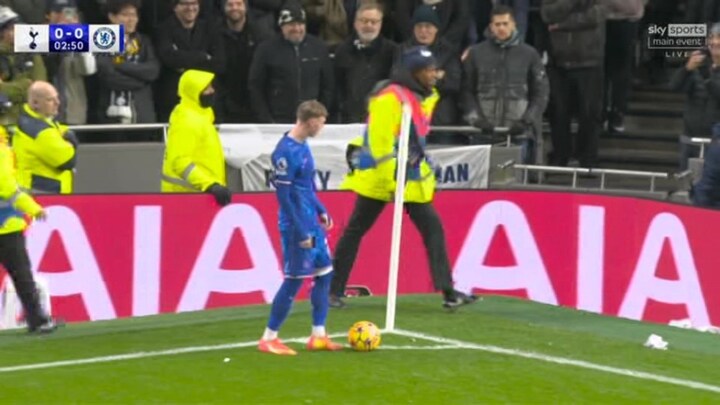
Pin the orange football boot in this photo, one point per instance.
(275, 346)
(323, 343)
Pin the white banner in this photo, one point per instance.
(248, 148)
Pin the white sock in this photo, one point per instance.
(319, 331)
(269, 334)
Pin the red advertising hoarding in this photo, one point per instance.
(109, 256)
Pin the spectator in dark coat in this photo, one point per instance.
(125, 81)
(575, 69)
(185, 42)
(288, 70)
(454, 17)
(699, 79)
(360, 62)
(426, 29)
(505, 84)
(241, 36)
(706, 192)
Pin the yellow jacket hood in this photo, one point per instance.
(192, 83)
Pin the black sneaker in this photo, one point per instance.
(336, 302)
(458, 299)
(49, 326)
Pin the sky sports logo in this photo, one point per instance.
(677, 36)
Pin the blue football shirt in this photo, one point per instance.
(293, 178)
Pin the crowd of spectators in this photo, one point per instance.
(562, 59)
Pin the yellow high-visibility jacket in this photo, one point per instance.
(383, 130)
(45, 159)
(194, 158)
(14, 203)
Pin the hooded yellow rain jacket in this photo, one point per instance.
(194, 158)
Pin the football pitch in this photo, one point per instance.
(497, 350)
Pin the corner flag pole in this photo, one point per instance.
(396, 236)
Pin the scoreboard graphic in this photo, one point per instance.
(65, 38)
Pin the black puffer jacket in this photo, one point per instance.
(357, 70)
(578, 39)
(504, 82)
(283, 75)
(702, 106)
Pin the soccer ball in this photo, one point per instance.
(364, 336)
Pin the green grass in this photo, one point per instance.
(385, 376)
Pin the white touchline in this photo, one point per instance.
(442, 344)
(560, 360)
(427, 347)
(142, 355)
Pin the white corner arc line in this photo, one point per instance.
(560, 360)
(427, 347)
(142, 355)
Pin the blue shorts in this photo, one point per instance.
(301, 263)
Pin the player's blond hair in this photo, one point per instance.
(310, 109)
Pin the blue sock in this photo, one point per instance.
(319, 299)
(282, 303)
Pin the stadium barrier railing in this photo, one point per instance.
(702, 143)
(502, 138)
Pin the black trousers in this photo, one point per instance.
(619, 52)
(14, 257)
(364, 215)
(577, 90)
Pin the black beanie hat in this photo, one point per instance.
(426, 14)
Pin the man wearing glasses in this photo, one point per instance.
(361, 61)
(185, 42)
